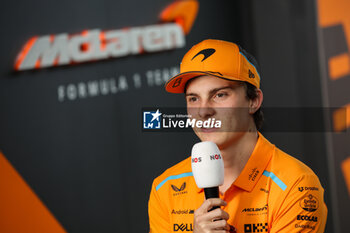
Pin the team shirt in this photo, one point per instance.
(274, 193)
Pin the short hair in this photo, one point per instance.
(251, 94)
(251, 90)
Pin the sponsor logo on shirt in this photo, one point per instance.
(307, 218)
(309, 203)
(187, 211)
(301, 189)
(264, 208)
(253, 174)
(179, 191)
(256, 227)
(183, 227)
(304, 226)
(264, 190)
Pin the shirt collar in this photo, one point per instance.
(256, 164)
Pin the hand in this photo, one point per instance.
(206, 221)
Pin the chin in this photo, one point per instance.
(221, 139)
(217, 137)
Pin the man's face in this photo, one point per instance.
(211, 97)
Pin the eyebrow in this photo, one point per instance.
(211, 92)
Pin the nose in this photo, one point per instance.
(205, 111)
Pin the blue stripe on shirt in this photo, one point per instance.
(275, 179)
(173, 178)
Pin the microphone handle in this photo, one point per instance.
(212, 192)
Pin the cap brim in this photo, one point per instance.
(177, 83)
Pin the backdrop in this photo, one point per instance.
(75, 75)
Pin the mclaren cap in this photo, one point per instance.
(216, 58)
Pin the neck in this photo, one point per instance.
(235, 157)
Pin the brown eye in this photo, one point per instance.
(221, 95)
(192, 99)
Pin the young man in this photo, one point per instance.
(265, 189)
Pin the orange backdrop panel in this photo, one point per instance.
(20, 209)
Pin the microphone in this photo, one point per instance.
(207, 168)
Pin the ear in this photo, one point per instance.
(255, 104)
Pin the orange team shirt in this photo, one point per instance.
(274, 193)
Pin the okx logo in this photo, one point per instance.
(256, 227)
(151, 120)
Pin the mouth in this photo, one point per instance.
(208, 130)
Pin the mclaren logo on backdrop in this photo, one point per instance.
(93, 45)
(206, 52)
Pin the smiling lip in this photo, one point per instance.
(208, 130)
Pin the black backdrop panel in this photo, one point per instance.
(287, 47)
(86, 157)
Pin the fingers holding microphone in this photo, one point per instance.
(207, 219)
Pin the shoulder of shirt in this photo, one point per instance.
(290, 163)
(290, 169)
(181, 168)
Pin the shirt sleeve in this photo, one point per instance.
(302, 209)
(159, 221)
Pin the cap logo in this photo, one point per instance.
(251, 74)
(206, 52)
(177, 82)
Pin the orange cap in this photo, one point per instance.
(216, 58)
